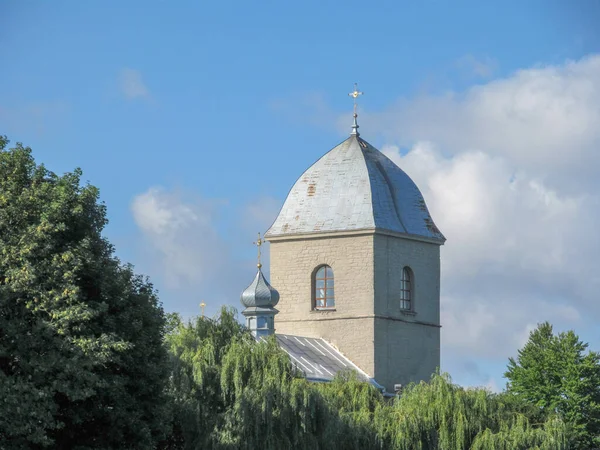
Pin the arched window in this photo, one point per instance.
(324, 296)
(406, 290)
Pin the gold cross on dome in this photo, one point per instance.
(202, 305)
(355, 94)
(259, 242)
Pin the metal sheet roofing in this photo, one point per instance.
(317, 359)
(353, 187)
(260, 293)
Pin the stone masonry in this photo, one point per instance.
(367, 326)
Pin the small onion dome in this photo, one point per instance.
(260, 293)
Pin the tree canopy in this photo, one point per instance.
(82, 363)
(233, 392)
(554, 373)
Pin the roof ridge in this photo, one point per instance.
(388, 183)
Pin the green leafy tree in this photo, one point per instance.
(197, 349)
(82, 360)
(442, 415)
(231, 392)
(557, 375)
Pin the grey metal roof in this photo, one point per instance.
(352, 187)
(260, 293)
(317, 359)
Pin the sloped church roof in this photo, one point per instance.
(355, 187)
(318, 360)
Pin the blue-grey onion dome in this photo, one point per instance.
(260, 293)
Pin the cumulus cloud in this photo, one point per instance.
(181, 232)
(509, 172)
(194, 252)
(543, 120)
(517, 252)
(131, 84)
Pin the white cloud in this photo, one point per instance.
(516, 252)
(506, 170)
(193, 253)
(182, 234)
(131, 84)
(543, 120)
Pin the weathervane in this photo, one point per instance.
(202, 305)
(258, 244)
(355, 94)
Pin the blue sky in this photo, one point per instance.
(195, 120)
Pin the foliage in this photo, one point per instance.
(554, 373)
(232, 392)
(441, 415)
(82, 363)
(197, 351)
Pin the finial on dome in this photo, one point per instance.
(354, 94)
(258, 244)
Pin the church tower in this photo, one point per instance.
(355, 256)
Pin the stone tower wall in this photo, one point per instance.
(405, 352)
(407, 343)
(350, 326)
(391, 255)
(367, 325)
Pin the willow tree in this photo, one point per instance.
(81, 355)
(230, 391)
(233, 392)
(196, 351)
(442, 415)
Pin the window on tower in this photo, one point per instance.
(406, 290)
(324, 288)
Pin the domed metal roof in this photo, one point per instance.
(355, 187)
(260, 293)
